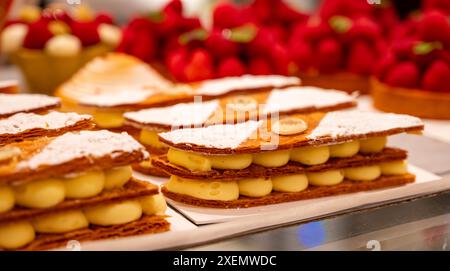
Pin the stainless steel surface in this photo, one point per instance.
(422, 224)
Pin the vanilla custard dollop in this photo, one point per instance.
(272, 158)
(364, 173)
(290, 183)
(326, 178)
(235, 161)
(255, 187)
(311, 155)
(208, 190)
(6, 199)
(60, 222)
(189, 160)
(347, 149)
(86, 185)
(114, 213)
(150, 138)
(394, 168)
(108, 119)
(16, 234)
(373, 145)
(117, 177)
(40, 194)
(153, 205)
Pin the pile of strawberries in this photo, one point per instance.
(419, 56)
(51, 22)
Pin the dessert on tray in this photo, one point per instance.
(297, 157)
(77, 186)
(9, 86)
(111, 85)
(147, 123)
(11, 104)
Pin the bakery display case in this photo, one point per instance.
(224, 125)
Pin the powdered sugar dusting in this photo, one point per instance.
(92, 144)
(295, 98)
(15, 103)
(347, 123)
(221, 86)
(22, 122)
(185, 114)
(221, 136)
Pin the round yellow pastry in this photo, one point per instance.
(347, 149)
(272, 158)
(114, 213)
(6, 199)
(208, 190)
(86, 185)
(255, 187)
(60, 222)
(364, 173)
(394, 168)
(372, 145)
(16, 234)
(12, 37)
(153, 205)
(189, 160)
(326, 178)
(117, 177)
(40, 194)
(235, 161)
(63, 45)
(109, 34)
(150, 138)
(311, 155)
(290, 183)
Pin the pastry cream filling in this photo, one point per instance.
(61, 222)
(189, 160)
(86, 185)
(311, 155)
(6, 199)
(146, 164)
(150, 138)
(255, 187)
(364, 173)
(236, 161)
(326, 178)
(272, 158)
(16, 234)
(372, 145)
(290, 183)
(108, 119)
(117, 177)
(114, 213)
(153, 205)
(347, 149)
(207, 190)
(40, 194)
(394, 168)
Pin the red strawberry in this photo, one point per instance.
(176, 63)
(329, 55)
(280, 59)
(361, 58)
(316, 29)
(174, 6)
(231, 66)
(262, 9)
(226, 15)
(199, 67)
(263, 43)
(285, 13)
(384, 65)
(301, 52)
(436, 76)
(278, 31)
(38, 34)
(404, 74)
(441, 5)
(363, 28)
(349, 8)
(188, 24)
(143, 47)
(170, 23)
(86, 32)
(259, 66)
(435, 27)
(56, 14)
(104, 18)
(219, 45)
(403, 48)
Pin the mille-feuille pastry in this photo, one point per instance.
(77, 186)
(296, 157)
(233, 109)
(27, 126)
(11, 104)
(9, 86)
(116, 83)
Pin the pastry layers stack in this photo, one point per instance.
(296, 157)
(111, 85)
(77, 186)
(147, 123)
(11, 104)
(9, 86)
